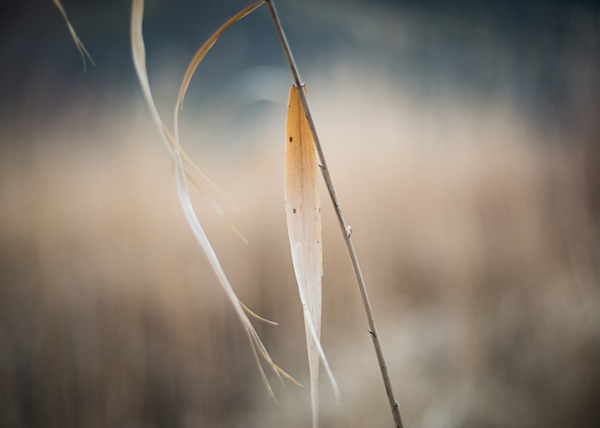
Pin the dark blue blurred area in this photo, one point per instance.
(531, 51)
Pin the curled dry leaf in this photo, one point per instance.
(189, 73)
(303, 211)
(139, 58)
(82, 50)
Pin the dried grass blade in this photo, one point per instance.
(82, 50)
(303, 211)
(139, 59)
(207, 46)
(198, 57)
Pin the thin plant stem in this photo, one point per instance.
(346, 230)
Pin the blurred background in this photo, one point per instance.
(463, 138)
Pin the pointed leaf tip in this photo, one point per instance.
(78, 44)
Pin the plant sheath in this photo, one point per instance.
(346, 230)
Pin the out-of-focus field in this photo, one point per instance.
(476, 229)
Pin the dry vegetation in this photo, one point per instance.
(477, 233)
(474, 235)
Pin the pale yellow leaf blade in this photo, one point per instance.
(303, 211)
(139, 59)
(82, 50)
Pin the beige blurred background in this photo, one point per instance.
(463, 142)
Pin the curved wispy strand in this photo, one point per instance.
(172, 144)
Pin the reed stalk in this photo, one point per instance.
(346, 230)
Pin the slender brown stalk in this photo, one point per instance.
(346, 230)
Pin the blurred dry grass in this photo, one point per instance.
(475, 235)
